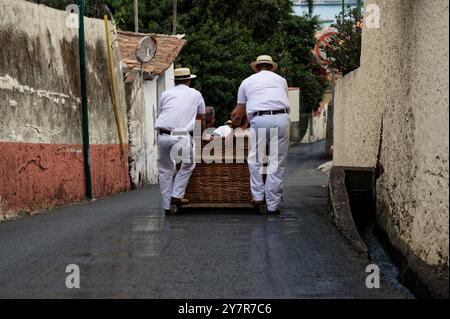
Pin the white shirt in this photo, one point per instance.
(178, 108)
(264, 91)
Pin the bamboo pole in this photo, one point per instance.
(113, 86)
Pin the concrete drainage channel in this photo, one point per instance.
(361, 194)
(352, 203)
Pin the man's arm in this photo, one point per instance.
(286, 87)
(240, 109)
(202, 119)
(237, 114)
(201, 111)
(241, 106)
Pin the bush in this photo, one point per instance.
(345, 50)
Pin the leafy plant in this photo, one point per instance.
(345, 49)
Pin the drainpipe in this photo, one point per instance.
(84, 101)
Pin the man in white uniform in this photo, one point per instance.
(178, 109)
(264, 96)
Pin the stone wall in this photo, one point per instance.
(40, 133)
(393, 111)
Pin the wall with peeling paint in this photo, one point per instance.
(142, 101)
(40, 119)
(394, 111)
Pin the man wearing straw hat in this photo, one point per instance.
(264, 97)
(178, 109)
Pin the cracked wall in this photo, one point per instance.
(402, 86)
(40, 121)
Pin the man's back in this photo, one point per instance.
(178, 108)
(263, 91)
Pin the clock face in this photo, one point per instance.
(146, 49)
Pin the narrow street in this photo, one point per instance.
(126, 248)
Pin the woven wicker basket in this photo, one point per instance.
(225, 182)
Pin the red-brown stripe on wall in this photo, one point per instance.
(35, 176)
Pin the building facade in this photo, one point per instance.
(327, 10)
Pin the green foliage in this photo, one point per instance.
(219, 54)
(24, 213)
(345, 49)
(225, 36)
(154, 16)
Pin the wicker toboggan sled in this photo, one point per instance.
(221, 179)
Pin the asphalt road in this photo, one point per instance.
(126, 248)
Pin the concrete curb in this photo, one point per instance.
(340, 210)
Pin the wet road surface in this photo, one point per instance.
(126, 248)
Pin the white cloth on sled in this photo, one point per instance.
(223, 131)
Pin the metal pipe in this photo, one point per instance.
(136, 16)
(113, 87)
(174, 31)
(84, 101)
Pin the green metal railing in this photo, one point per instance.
(84, 102)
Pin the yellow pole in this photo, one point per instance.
(113, 86)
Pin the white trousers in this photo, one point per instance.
(271, 132)
(174, 186)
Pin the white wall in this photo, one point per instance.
(151, 103)
(294, 104)
(317, 126)
(169, 75)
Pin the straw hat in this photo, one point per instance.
(264, 59)
(183, 74)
